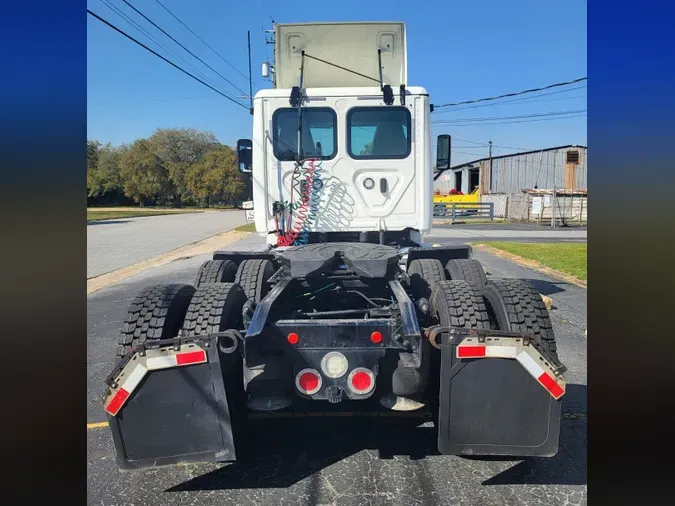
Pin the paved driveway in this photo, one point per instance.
(113, 244)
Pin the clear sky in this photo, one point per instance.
(457, 49)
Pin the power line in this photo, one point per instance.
(492, 118)
(165, 59)
(203, 41)
(522, 100)
(511, 94)
(148, 35)
(514, 122)
(181, 45)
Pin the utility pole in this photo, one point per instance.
(250, 75)
(490, 155)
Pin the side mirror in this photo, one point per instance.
(245, 156)
(443, 152)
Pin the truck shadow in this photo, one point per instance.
(549, 287)
(280, 452)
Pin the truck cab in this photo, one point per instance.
(347, 107)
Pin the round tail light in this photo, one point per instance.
(361, 380)
(308, 381)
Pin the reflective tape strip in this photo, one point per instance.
(501, 351)
(540, 375)
(472, 351)
(191, 357)
(161, 362)
(117, 401)
(126, 389)
(529, 364)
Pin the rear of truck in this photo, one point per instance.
(346, 307)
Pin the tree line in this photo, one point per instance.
(173, 167)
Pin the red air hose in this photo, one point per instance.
(302, 211)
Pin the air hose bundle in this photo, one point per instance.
(306, 182)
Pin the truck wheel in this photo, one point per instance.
(156, 313)
(217, 307)
(214, 308)
(252, 275)
(458, 303)
(517, 306)
(454, 303)
(467, 269)
(425, 274)
(216, 271)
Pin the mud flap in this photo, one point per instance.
(168, 405)
(498, 397)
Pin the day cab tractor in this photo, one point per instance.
(346, 306)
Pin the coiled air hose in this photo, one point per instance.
(306, 207)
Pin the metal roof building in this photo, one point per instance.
(562, 167)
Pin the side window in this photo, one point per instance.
(378, 132)
(319, 133)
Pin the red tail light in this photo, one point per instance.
(376, 337)
(293, 338)
(308, 381)
(361, 380)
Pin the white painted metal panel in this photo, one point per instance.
(350, 45)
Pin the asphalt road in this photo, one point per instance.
(113, 244)
(343, 461)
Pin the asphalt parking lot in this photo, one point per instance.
(343, 460)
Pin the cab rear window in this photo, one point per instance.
(319, 133)
(378, 132)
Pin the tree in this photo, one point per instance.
(216, 178)
(144, 177)
(180, 149)
(92, 162)
(105, 179)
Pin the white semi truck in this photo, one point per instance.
(346, 306)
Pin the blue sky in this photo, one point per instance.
(458, 50)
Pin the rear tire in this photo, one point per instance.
(156, 313)
(467, 269)
(458, 303)
(517, 306)
(216, 271)
(214, 308)
(217, 307)
(253, 275)
(425, 274)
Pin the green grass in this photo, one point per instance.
(249, 227)
(566, 257)
(116, 215)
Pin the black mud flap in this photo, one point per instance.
(494, 406)
(176, 412)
